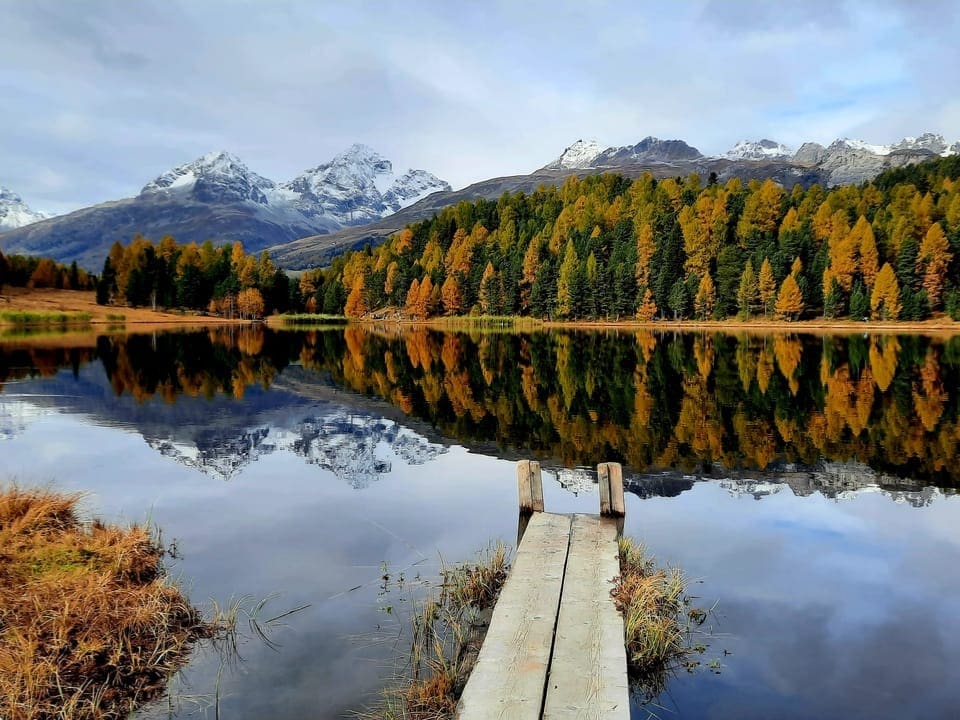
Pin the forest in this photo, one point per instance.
(607, 247)
(34, 272)
(223, 281)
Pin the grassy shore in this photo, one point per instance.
(90, 627)
(38, 304)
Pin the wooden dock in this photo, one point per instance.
(555, 646)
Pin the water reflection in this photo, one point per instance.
(885, 406)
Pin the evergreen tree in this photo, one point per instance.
(749, 291)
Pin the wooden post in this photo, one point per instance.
(610, 477)
(529, 486)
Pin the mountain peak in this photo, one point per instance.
(14, 212)
(359, 185)
(218, 176)
(758, 150)
(580, 154)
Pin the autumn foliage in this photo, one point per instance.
(609, 247)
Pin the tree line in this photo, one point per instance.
(606, 246)
(220, 280)
(35, 272)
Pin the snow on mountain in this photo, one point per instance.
(214, 177)
(411, 187)
(14, 212)
(355, 447)
(359, 186)
(579, 155)
(854, 144)
(758, 150)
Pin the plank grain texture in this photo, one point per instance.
(588, 672)
(509, 678)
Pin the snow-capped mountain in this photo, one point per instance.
(359, 186)
(217, 197)
(356, 447)
(581, 154)
(214, 177)
(758, 150)
(14, 212)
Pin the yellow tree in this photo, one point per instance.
(706, 297)
(932, 260)
(250, 304)
(761, 211)
(869, 256)
(790, 299)
(767, 286)
(885, 298)
(843, 251)
(648, 307)
(451, 296)
(356, 306)
(645, 250)
(413, 294)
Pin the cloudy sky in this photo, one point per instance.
(98, 97)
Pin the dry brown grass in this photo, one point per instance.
(49, 300)
(89, 627)
(658, 619)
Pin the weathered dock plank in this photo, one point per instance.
(509, 678)
(588, 672)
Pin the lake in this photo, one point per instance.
(807, 483)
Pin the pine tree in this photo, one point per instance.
(859, 302)
(885, 299)
(648, 308)
(679, 299)
(748, 293)
(565, 281)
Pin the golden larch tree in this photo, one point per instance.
(356, 306)
(885, 298)
(790, 300)
(767, 286)
(706, 297)
(933, 260)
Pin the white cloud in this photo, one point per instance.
(110, 94)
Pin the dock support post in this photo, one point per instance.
(529, 486)
(610, 477)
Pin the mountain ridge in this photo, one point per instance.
(217, 197)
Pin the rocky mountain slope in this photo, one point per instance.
(843, 161)
(217, 197)
(14, 212)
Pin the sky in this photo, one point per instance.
(99, 97)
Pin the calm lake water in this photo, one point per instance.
(807, 483)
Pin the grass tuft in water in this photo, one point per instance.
(89, 626)
(659, 619)
(446, 630)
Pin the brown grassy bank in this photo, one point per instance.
(89, 626)
(48, 301)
